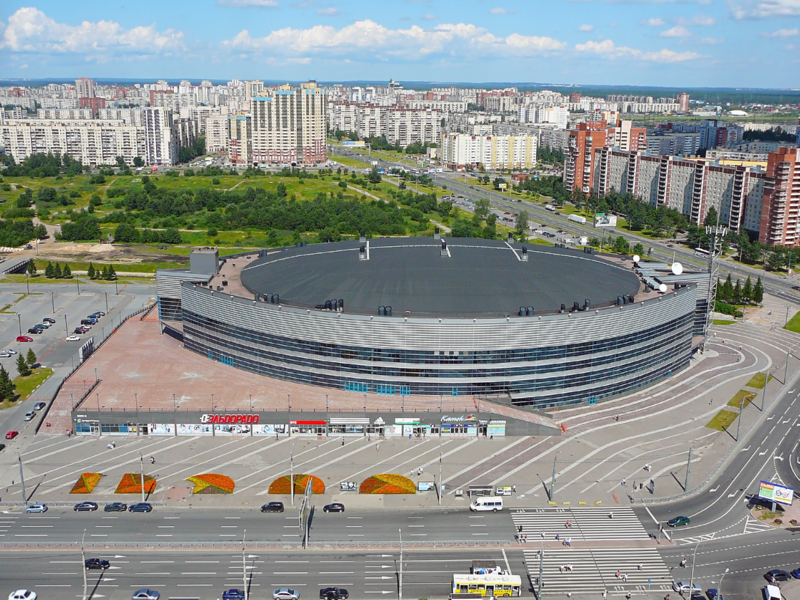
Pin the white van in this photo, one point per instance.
(484, 503)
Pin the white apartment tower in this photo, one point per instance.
(162, 147)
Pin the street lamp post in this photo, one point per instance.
(83, 563)
(53, 301)
(244, 565)
(400, 595)
(19, 322)
(439, 483)
(106, 302)
(141, 472)
(553, 480)
(251, 403)
(27, 282)
(694, 556)
(720, 582)
(291, 471)
(78, 283)
(66, 327)
(22, 479)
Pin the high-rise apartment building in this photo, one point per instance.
(288, 126)
(460, 150)
(781, 210)
(683, 102)
(162, 147)
(85, 87)
(404, 127)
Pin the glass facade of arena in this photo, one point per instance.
(545, 376)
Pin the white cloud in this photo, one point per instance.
(677, 31)
(711, 41)
(329, 12)
(499, 10)
(765, 9)
(698, 21)
(429, 17)
(412, 43)
(586, 28)
(782, 33)
(653, 22)
(30, 30)
(249, 3)
(608, 49)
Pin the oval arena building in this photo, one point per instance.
(532, 326)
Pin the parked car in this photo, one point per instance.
(97, 314)
(2, 447)
(276, 507)
(10, 351)
(85, 507)
(33, 331)
(333, 593)
(5, 355)
(24, 338)
(233, 595)
(40, 406)
(29, 415)
(683, 587)
(141, 507)
(22, 595)
(777, 575)
(48, 320)
(796, 573)
(145, 594)
(678, 521)
(97, 563)
(42, 326)
(335, 507)
(115, 507)
(36, 508)
(285, 594)
(713, 594)
(73, 338)
(88, 321)
(11, 435)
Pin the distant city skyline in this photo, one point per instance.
(694, 43)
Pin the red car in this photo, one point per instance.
(24, 338)
(11, 435)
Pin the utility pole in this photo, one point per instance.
(106, 302)
(78, 283)
(716, 233)
(66, 327)
(244, 566)
(22, 480)
(439, 489)
(688, 466)
(19, 322)
(141, 472)
(694, 557)
(541, 572)
(553, 480)
(739, 426)
(27, 283)
(400, 595)
(291, 471)
(787, 317)
(83, 561)
(53, 300)
(764, 394)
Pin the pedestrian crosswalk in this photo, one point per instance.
(595, 570)
(588, 523)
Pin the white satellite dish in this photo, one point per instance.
(662, 288)
(636, 258)
(677, 268)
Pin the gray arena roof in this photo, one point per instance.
(478, 278)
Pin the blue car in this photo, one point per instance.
(233, 595)
(141, 507)
(796, 573)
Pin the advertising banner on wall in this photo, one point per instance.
(161, 429)
(774, 492)
(605, 220)
(269, 429)
(194, 429)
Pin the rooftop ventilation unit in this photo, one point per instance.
(524, 254)
(529, 311)
(436, 233)
(444, 249)
(362, 253)
(362, 237)
(510, 237)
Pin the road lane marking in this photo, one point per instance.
(337, 573)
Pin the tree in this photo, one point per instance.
(105, 272)
(758, 292)
(374, 176)
(31, 269)
(522, 224)
(6, 385)
(121, 162)
(638, 249)
(736, 297)
(57, 272)
(31, 357)
(747, 290)
(22, 366)
(90, 271)
(621, 245)
(727, 289)
(66, 272)
(49, 271)
(711, 217)
(112, 274)
(137, 161)
(482, 208)
(40, 232)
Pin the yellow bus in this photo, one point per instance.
(488, 585)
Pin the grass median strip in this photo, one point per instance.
(757, 381)
(794, 323)
(722, 420)
(736, 401)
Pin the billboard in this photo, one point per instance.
(353, 144)
(605, 220)
(775, 493)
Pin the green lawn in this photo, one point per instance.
(722, 322)
(757, 381)
(26, 385)
(140, 267)
(736, 401)
(794, 323)
(349, 162)
(722, 420)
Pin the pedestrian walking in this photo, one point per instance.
(623, 481)
(628, 596)
(152, 460)
(569, 542)
(618, 575)
(342, 441)
(558, 536)
(611, 515)
(683, 562)
(377, 447)
(12, 483)
(625, 577)
(514, 489)
(640, 567)
(605, 594)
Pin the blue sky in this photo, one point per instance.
(692, 43)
